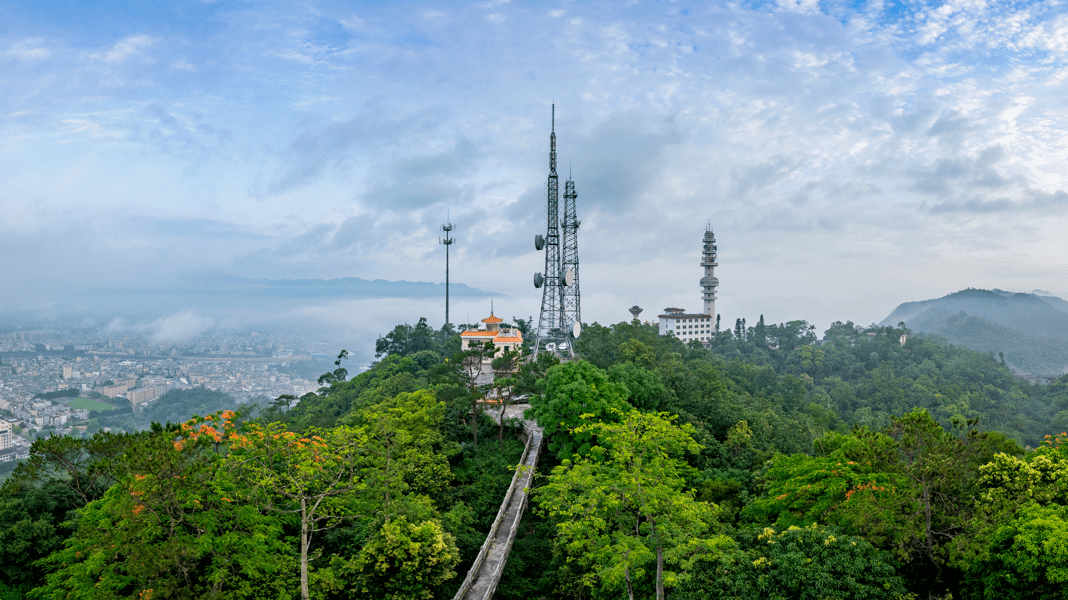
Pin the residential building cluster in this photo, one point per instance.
(103, 366)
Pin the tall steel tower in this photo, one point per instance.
(552, 333)
(572, 298)
(709, 283)
(447, 241)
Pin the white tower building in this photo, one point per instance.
(709, 283)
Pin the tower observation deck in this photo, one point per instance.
(709, 283)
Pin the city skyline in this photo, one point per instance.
(848, 157)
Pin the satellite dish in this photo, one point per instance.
(561, 346)
(538, 280)
(576, 330)
(539, 242)
(568, 278)
(550, 346)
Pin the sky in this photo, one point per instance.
(849, 156)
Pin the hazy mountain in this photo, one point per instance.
(1030, 329)
(348, 287)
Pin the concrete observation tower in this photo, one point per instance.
(709, 283)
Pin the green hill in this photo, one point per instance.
(1029, 330)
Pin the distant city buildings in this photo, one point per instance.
(104, 366)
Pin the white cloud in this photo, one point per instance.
(856, 137)
(29, 50)
(124, 48)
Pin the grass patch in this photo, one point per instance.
(90, 404)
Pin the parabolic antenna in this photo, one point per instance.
(539, 242)
(568, 278)
(538, 280)
(576, 330)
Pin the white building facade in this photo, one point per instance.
(700, 327)
(687, 326)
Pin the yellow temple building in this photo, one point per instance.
(508, 338)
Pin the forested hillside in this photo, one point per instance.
(766, 466)
(1029, 330)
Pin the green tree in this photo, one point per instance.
(572, 390)
(404, 561)
(646, 390)
(1020, 544)
(1026, 556)
(173, 527)
(474, 361)
(339, 374)
(504, 370)
(910, 490)
(627, 504)
(402, 456)
(312, 476)
(31, 528)
(810, 563)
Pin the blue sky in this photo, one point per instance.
(849, 156)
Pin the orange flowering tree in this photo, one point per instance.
(314, 476)
(910, 490)
(173, 527)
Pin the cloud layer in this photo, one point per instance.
(849, 157)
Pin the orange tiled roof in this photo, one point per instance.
(492, 319)
(508, 340)
(477, 333)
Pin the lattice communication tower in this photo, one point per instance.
(572, 298)
(559, 321)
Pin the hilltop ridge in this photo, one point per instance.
(1030, 330)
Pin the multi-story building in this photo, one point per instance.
(118, 388)
(699, 327)
(8, 450)
(145, 394)
(686, 326)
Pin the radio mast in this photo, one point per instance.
(447, 241)
(556, 326)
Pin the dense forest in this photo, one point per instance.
(873, 464)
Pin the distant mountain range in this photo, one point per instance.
(349, 287)
(225, 297)
(1029, 329)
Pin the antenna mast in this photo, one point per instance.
(555, 329)
(447, 241)
(572, 300)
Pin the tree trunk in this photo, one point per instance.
(500, 431)
(474, 421)
(304, 543)
(660, 572)
(630, 590)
